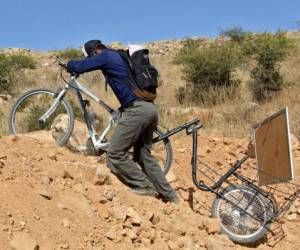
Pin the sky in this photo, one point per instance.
(58, 24)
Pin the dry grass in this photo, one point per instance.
(233, 117)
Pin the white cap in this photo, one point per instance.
(134, 47)
(84, 52)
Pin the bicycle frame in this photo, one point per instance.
(79, 89)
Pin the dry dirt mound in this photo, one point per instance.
(51, 198)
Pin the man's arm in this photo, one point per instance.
(87, 64)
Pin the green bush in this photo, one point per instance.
(10, 66)
(268, 50)
(236, 34)
(70, 54)
(206, 69)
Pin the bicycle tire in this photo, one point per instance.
(232, 222)
(66, 104)
(169, 152)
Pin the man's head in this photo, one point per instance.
(92, 48)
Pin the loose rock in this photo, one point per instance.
(111, 234)
(155, 219)
(212, 225)
(171, 177)
(45, 193)
(134, 217)
(23, 241)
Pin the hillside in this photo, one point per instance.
(53, 199)
(234, 117)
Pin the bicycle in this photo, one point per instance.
(37, 110)
(245, 210)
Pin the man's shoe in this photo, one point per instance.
(144, 191)
(173, 199)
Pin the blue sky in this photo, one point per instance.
(57, 24)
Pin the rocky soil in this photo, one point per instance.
(51, 198)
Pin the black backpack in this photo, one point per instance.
(142, 76)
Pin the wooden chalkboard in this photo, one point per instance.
(273, 149)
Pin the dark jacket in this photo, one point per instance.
(113, 66)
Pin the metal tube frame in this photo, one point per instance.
(79, 89)
(192, 129)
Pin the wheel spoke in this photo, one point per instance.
(243, 215)
(31, 107)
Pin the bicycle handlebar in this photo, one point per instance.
(63, 64)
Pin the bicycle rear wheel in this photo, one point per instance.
(234, 214)
(162, 151)
(29, 107)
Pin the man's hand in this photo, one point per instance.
(251, 150)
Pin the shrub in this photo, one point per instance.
(236, 34)
(207, 69)
(268, 50)
(10, 66)
(70, 54)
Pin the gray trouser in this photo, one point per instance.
(135, 129)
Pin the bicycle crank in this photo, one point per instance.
(91, 150)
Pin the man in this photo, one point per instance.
(135, 127)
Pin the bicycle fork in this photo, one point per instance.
(54, 106)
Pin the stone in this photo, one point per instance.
(62, 206)
(111, 234)
(171, 177)
(131, 234)
(294, 142)
(52, 155)
(181, 150)
(110, 195)
(3, 157)
(2, 163)
(54, 173)
(104, 211)
(213, 244)
(184, 194)
(45, 193)
(23, 241)
(103, 176)
(119, 213)
(5, 97)
(155, 219)
(45, 179)
(218, 242)
(64, 246)
(13, 138)
(135, 219)
(291, 217)
(212, 225)
(77, 202)
(172, 245)
(66, 223)
(79, 136)
(67, 175)
(22, 223)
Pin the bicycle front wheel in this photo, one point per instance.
(244, 216)
(28, 109)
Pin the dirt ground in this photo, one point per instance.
(51, 198)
